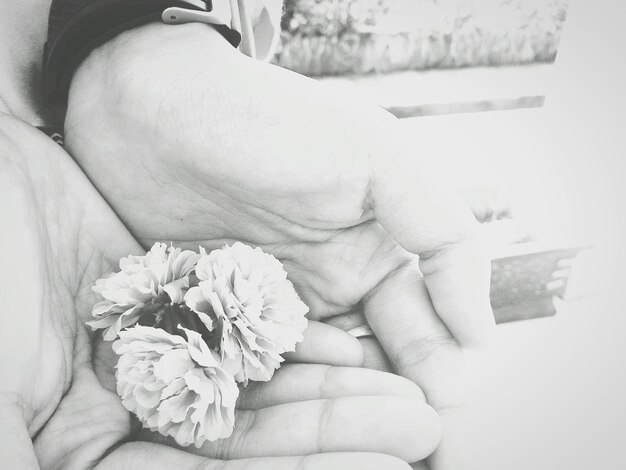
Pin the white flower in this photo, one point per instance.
(143, 285)
(175, 386)
(245, 298)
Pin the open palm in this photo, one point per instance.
(56, 228)
(59, 387)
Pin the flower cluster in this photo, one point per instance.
(192, 326)
(143, 285)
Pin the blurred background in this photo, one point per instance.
(521, 104)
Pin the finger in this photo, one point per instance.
(348, 321)
(421, 349)
(322, 344)
(405, 428)
(375, 356)
(138, 456)
(418, 344)
(458, 447)
(434, 223)
(301, 382)
(325, 344)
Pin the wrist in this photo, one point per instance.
(146, 77)
(143, 58)
(152, 39)
(78, 27)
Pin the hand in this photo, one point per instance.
(192, 142)
(308, 409)
(58, 236)
(57, 401)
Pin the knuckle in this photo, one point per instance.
(329, 378)
(324, 425)
(433, 346)
(235, 445)
(250, 397)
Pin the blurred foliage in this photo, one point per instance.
(322, 37)
(331, 17)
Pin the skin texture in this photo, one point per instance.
(56, 392)
(192, 142)
(292, 220)
(206, 154)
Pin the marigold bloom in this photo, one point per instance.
(142, 286)
(175, 386)
(244, 297)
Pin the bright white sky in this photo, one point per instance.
(552, 392)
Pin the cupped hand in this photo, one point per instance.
(191, 141)
(58, 237)
(57, 396)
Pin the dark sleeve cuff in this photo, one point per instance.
(76, 27)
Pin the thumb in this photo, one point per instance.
(140, 455)
(431, 221)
